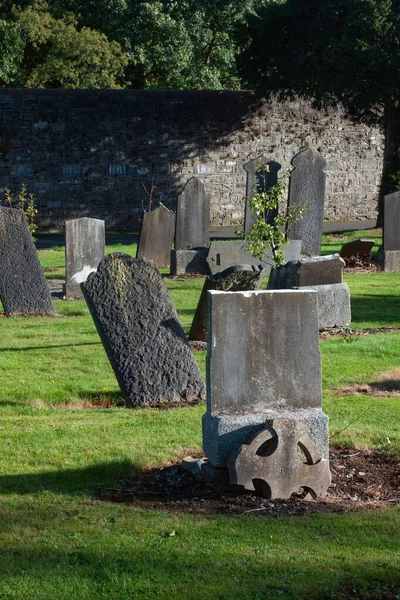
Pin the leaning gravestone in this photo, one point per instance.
(263, 363)
(23, 286)
(259, 180)
(84, 249)
(235, 279)
(157, 235)
(389, 254)
(141, 333)
(192, 235)
(307, 185)
(357, 249)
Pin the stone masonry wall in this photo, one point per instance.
(96, 152)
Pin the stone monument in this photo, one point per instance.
(389, 253)
(141, 333)
(259, 180)
(84, 249)
(307, 185)
(23, 286)
(157, 235)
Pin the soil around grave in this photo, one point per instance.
(386, 385)
(362, 480)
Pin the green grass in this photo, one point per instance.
(64, 434)
(332, 242)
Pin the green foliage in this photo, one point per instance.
(269, 231)
(26, 202)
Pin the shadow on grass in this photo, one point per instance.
(68, 481)
(373, 308)
(21, 349)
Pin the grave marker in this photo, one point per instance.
(157, 235)
(258, 180)
(193, 217)
(389, 254)
(84, 249)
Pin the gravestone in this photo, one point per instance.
(189, 261)
(316, 270)
(360, 249)
(263, 363)
(84, 249)
(23, 286)
(307, 185)
(259, 180)
(193, 217)
(389, 254)
(334, 307)
(157, 235)
(223, 255)
(235, 279)
(141, 333)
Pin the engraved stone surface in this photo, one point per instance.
(193, 217)
(141, 333)
(357, 249)
(189, 261)
(316, 270)
(84, 249)
(279, 461)
(157, 235)
(259, 180)
(307, 185)
(235, 279)
(23, 286)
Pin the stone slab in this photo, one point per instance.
(193, 217)
(23, 286)
(334, 308)
(391, 223)
(141, 333)
(389, 260)
(307, 184)
(223, 255)
(157, 235)
(357, 248)
(258, 180)
(189, 261)
(280, 461)
(316, 270)
(235, 279)
(263, 351)
(84, 249)
(223, 434)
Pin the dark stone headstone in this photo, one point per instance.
(239, 278)
(307, 185)
(84, 249)
(193, 217)
(357, 249)
(141, 333)
(391, 225)
(223, 255)
(189, 261)
(157, 235)
(23, 286)
(259, 180)
(316, 270)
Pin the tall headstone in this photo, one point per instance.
(389, 254)
(157, 235)
(84, 249)
(141, 333)
(307, 185)
(259, 180)
(263, 363)
(23, 286)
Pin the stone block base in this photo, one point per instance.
(189, 261)
(222, 434)
(73, 290)
(333, 305)
(389, 260)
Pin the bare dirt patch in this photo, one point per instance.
(361, 481)
(387, 385)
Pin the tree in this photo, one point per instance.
(331, 51)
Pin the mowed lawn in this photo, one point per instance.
(64, 433)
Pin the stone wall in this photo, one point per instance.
(98, 152)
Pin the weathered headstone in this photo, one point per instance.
(141, 333)
(360, 249)
(23, 286)
(189, 261)
(157, 235)
(316, 270)
(389, 254)
(235, 279)
(263, 363)
(259, 180)
(223, 255)
(307, 185)
(193, 217)
(84, 249)
(334, 307)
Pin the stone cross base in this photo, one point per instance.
(73, 290)
(222, 434)
(189, 261)
(389, 260)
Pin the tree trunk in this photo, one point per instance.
(391, 159)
